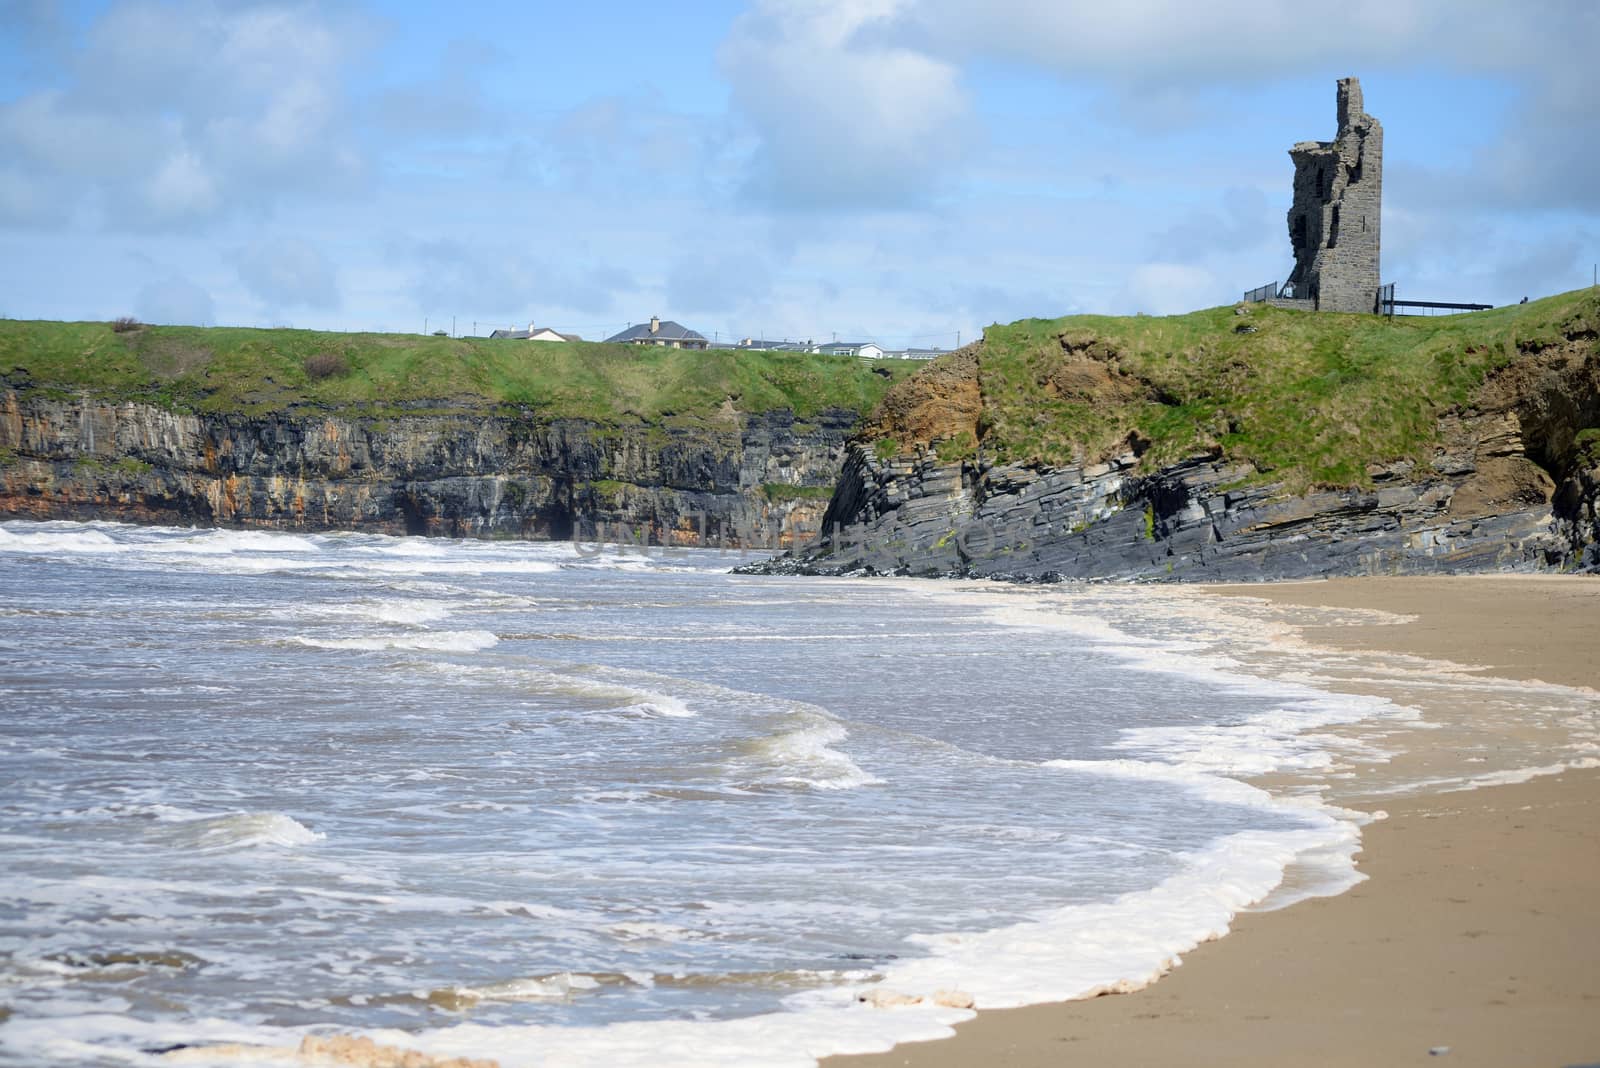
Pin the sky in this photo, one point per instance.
(901, 171)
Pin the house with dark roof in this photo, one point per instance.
(663, 332)
(542, 333)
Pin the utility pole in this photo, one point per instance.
(452, 326)
(424, 324)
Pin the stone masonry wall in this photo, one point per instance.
(1334, 221)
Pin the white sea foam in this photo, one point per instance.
(1506, 777)
(459, 567)
(414, 612)
(1081, 950)
(445, 641)
(658, 704)
(228, 542)
(562, 985)
(102, 1035)
(55, 541)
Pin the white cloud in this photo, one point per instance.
(719, 283)
(1163, 61)
(1172, 289)
(26, 201)
(1239, 42)
(494, 281)
(844, 117)
(181, 187)
(175, 300)
(168, 113)
(288, 272)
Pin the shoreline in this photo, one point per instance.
(1477, 929)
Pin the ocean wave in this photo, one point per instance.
(240, 830)
(228, 542)
(56, 541)
(803, 755)
(458, 567)
(558, 986)
(444, 641)
(408, 612)
(659, 705)
(594, 684)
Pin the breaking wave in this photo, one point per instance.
(443, 641)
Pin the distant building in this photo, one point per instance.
(665, 333)
(865, 349)
(919, 354)
(751, 344)
(542, 333)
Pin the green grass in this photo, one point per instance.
(780, 492)
(1312, 398)
(608, 489)
(254, 371)
(1586, 448)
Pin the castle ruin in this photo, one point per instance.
(1334, 223)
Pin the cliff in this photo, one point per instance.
(1240, 443)
(422, 435)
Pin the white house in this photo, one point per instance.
(533, 333)
(864, 349)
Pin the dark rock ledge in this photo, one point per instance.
(1201, 520)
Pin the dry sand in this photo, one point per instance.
(1475, 940)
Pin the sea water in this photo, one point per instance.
(553, 806)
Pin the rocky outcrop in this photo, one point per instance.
(751, 480)
(940, 403)
(1508, 488)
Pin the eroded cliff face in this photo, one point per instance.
(1509, 487)
(752, 480)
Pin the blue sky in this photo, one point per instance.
(899, 170)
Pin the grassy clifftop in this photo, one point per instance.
(224, 369)
(1315, 398)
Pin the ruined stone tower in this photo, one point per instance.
(1333, 225)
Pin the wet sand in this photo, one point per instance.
(1475, 939)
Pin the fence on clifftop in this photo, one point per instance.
(1387, 304)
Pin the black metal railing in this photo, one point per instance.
(1260, 293)
(1386, 299)
(1387, 304)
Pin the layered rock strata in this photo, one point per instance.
(755, 480)
(1506, 489)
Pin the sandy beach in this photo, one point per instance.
(1475, 939)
